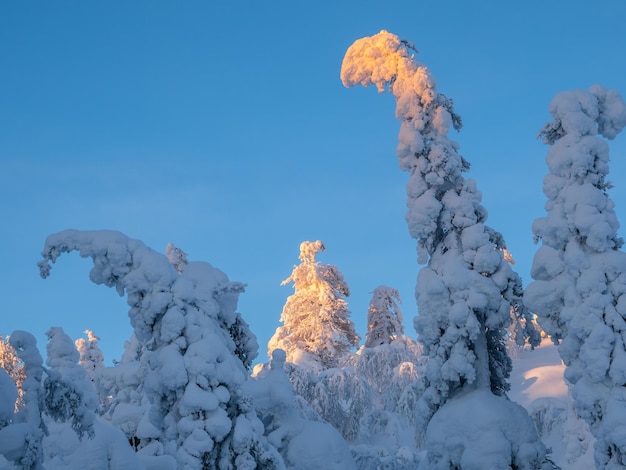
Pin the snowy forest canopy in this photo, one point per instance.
(185, 395)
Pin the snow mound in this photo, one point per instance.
(468, 432)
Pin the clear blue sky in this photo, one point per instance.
(223, 127)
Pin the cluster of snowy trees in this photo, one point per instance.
(185, 395)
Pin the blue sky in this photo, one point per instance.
(223, 127)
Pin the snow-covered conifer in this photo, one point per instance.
(384, 317)
(21, 442)
(68, 391)
(11, 363)
(579, 272)
(316, 332)
(462, 299)
(91, 357)
(342, 397)
(176, 256)
(193, 375)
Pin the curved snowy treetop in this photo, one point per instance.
(424, 150)
(153, 286)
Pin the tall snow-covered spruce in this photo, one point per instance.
(193, 367)
(579, 287)
(464, 294)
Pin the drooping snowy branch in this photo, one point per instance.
(579, 273)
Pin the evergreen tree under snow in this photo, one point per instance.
(384, 317)
(579, 292)
(317, 332)
(464, 292)
(191, 364)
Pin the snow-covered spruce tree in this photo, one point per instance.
(91, 357)
(580, 273)
(464, 292)
(389, 360)
(177, 257)
(193, 376)
(317, 336)
(11, 363)
(317, 332)
(384, 317)
(69, 393)
(390, 363)
(21, 441)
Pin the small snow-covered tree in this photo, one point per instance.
(579, 272)
(192, 371)
(390, 363)
(11, 363)
(21, 442)
(69, 393)
(91, 357)
(463, 293)
(316, 331)
(384, 317)
(176, 256)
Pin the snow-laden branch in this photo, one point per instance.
(121, 262)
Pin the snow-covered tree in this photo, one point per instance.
(193, 375)
(463, 293)
(390, 363)
(342, 397)
(12, 365)
(21, 441)
(91, 357)
(68, 390)
(579, 272)
(176, 256)
(316, 332)
(384, 317)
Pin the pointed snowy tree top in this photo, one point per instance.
(309, 250)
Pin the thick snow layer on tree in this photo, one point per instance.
(107, 449)
(579, 273)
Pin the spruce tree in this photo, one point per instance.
(579, 272)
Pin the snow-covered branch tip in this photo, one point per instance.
(380, 60)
